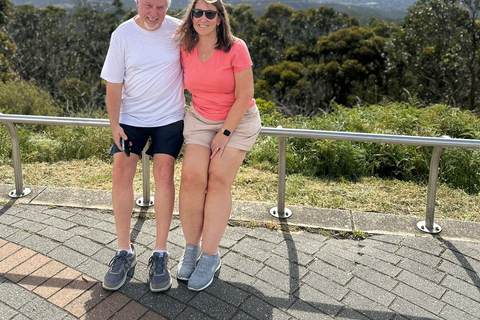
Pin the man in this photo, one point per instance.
(144, 100)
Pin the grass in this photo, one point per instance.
(254, 184)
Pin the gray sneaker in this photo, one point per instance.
(187, 264)
(204, 273)
(159, 276)
(121, 265)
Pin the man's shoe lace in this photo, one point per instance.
(158, 263)
(118, 262)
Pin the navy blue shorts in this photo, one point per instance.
(165, 140)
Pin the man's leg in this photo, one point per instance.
(122, 193)
(124, 169)
(163, 170)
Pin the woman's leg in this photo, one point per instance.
(218, 204)
(192, 191)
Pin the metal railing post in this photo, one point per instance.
(146, 200)
(280, 211)
(429, 225)
(17, 164)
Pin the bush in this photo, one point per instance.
(459, 168)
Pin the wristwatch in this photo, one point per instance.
(227, 132)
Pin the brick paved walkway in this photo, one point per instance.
(53, 258)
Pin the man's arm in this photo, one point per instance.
(114, 101)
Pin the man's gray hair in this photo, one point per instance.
(169, 2)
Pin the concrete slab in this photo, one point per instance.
(6, 188)
(72, 197)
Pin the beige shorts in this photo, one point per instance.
(201, 131)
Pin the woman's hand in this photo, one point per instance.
(218, 145)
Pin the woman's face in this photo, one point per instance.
(203, 25)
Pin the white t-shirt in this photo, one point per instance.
(148, 64)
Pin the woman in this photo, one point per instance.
(220, 127)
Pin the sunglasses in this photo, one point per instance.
(210, 14)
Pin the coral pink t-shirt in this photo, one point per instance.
(212, 84)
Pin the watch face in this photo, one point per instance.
(227, 132)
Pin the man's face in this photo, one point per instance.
(151, 13)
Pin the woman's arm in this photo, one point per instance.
(243, 96)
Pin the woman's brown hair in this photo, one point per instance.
(188, 37)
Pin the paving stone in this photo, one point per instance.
(57, 282)
(40, 309)
(8, 249)
(429, 245)
(301, 310)
(150, 315)
(133, 310)
(226, 243)
(60, 213)
(242, 316)
(14, 295)
(84, 220)
(379, 279)
(244, 264)
(104, 255)
(371, 291)
(236, 278)
(450, 312)
(39, 244)
(67, 256)
(79, 230)
(180, 291)
(278, 279)
(367, 307)
(335, 260)
(464, 288)
(304, 244)
(41, 275)
(251, 248)
(59, 223)
(108, 307)
(298, 257)
(266, 235)
(459, 272)
(410, 310)
(82, 245)
(261, 310)
(432, 274)
(6, 312)
(464, 248)
(348, 313)
(381, 255)
(235, 233)
(26, 225)
(328, 271)
(285, 266)
(8, 219)
(162, 304)
(419, 298)
(319, 300)
(100, 236)
(380, 266)
(272, 295)
(19, 236)
(387, 238)
(380, 245)
(6, 231)
(421, 284)
(107, 227)
(24, 269)
(325, 285)
(56, 234)
(71, 291)
(95, 214)
(212, 306)
(461, 260)
(224, 291)
(144, 239)
(336, 249)
(462, 302)
(419, 256)
(134, 289)
(15, 259)
(87, 300)
(93, 268)
(32, 215)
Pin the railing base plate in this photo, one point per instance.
(287, 214)
(422, 226)
(14, 194)
(142, 203)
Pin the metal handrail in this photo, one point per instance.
(282, 133)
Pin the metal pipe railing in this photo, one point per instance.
(280, 211)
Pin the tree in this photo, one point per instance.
(441, 39)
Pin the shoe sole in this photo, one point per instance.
(211, 280)
(161, 289)
(129, 273)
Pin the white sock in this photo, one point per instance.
(128, 251)
(160, 251)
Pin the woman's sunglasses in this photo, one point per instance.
(210, 14)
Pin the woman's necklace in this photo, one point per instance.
(206, 52)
